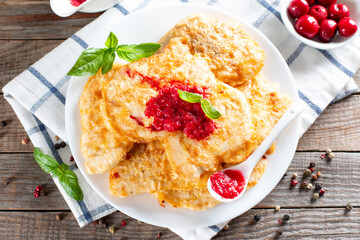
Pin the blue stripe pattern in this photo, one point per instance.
(33, 130)
(56, 155)
(51, 87)
(184, 1)
(295, 54)
(143, 4)
(215, 228)
(336, 63)
(212, 2)
(123, 10)
(96, 211)
(47, 95)
(343, 95)
(312, 105)
(271, 8)
(79, 41)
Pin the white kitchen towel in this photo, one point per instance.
(38, 94)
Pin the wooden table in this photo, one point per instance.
(29, 29)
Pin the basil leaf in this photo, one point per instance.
(108, 60)
(134, 52)
(209, 110)
(88, 63)
(47, 163)
(189, 97)
(111, 41)
(69, 182)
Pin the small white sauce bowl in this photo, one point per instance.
(337, 41)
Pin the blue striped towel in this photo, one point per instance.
(38, 94)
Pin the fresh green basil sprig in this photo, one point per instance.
(205, 104)
(67, 178)
(92, 59)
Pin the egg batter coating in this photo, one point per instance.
(233, 56)
(101, 148)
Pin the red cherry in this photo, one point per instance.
(307, 26)
(310, 2)
(326, 3)
(298, 8)
(327, 30)
(319, 12)
(338, 11)
(347, 27)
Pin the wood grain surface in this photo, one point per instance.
(29, 30)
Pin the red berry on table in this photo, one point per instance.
(298, 8)
(319, 12)
(327, 30)
(326, 3)
(338, 11)
(307, 26)
(310, 2)
(347, 27)
(294, 182)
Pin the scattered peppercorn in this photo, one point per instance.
(57, 146)
(159, 235)
(6, 181)
(59, 217)
(285, 174)
(101, 220)
(139, 222)
(307, 172)
(322, 156)
(71, 159)
(36, 194)
(95, 223)
(314, 177)
(294, 182)
(279, 232)
(328, 151)
(312, 164)
(123, 223)
(24, 141)
(257, 218)
(43, 192)
(322, 192)
(309, 186)
(317, 186)
(62, 144)
(349, 206)
(312, 169)
(56, 138)
(38, 188)
(277, 208)
(226, 227)
(331, 155)
(318, 174)
(294, 175)
(315, 196)
(3, 123)
(105, 225)
(286, 217)
(112, 229)
(303, 184)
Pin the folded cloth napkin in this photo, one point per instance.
(38, 94)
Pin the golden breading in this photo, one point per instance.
(267, 106)
(233, 56)
(101, 149)
(200, 198)
(126, 96)
(146, 169)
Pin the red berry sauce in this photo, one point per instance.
(171, 113)
(228, 184)
(76, 3)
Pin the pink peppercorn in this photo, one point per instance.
(312, 169)
(322, 192)
(123, 223)
(294, 182)
(38, 188)
(71, 159)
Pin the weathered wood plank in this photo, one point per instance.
(18, 55)
(340, 177)
(337, 128)
(35, 20)
(304, 224)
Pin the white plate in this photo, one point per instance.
(150, 25)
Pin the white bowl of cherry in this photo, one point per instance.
(322, 24)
